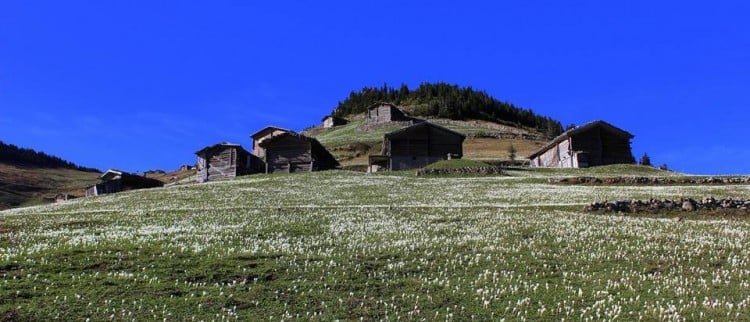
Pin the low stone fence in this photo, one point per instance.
(683, 204)
(651, 180)
(462, 171)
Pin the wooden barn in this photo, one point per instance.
(417, 146)
(385, 112)
(293, 152)
(224, 160)
(592, 144)
(265, 133)
(331, 121)
(114, 181)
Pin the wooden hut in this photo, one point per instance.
(223, 160)
(417, 146)
(595, 143)
(293, 152)
(263, 134)
(385, 112)
(331, 121)
(114, 181)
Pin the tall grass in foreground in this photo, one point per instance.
(340, 245)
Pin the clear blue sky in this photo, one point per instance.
(142, 85)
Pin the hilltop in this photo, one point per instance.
(448, 101)
(491, 126)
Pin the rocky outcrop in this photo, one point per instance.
(683, 204)
(650, 180)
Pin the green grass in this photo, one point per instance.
(349, 246)
(350, 133)
(457, 163)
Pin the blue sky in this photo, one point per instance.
(143, 85)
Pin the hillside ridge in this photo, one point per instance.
(448, 101)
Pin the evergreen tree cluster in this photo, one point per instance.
(12, 154)
(448, 101)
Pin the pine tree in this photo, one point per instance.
(645, 160)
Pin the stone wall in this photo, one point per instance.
(651, 180)
(683, 204)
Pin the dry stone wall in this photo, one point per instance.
(683, 204)
(651, 180)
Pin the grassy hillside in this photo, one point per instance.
(351, 143)
(351, 246)
(20, 186)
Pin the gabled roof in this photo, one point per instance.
(424, 124)
(267, 141)
(580, 129)
(111, 174)
(381, 104)
(217, 146)
(266, 129)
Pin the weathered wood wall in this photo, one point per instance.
(420, 145)
(385, 113)
(258, 150)
(288, 154)
(559, 156)
(227, 162)
(596, 146)
(102, 188)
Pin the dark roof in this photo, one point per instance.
(427, 124)
(267, 141)
(580, 129)
(114, 174)
(382, 103)
(218, 146)
(265, 129)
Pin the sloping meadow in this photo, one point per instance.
(343, 245)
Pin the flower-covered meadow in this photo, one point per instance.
(343, 245)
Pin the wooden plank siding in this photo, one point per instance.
(265, 133)
(293, 152)
(221, 161)
(595, 143)
(421, 144)
(384, 113)
(288, 154)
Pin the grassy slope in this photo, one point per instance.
(28, 186)
(372, 247)
(460, 163)
(337, 138)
